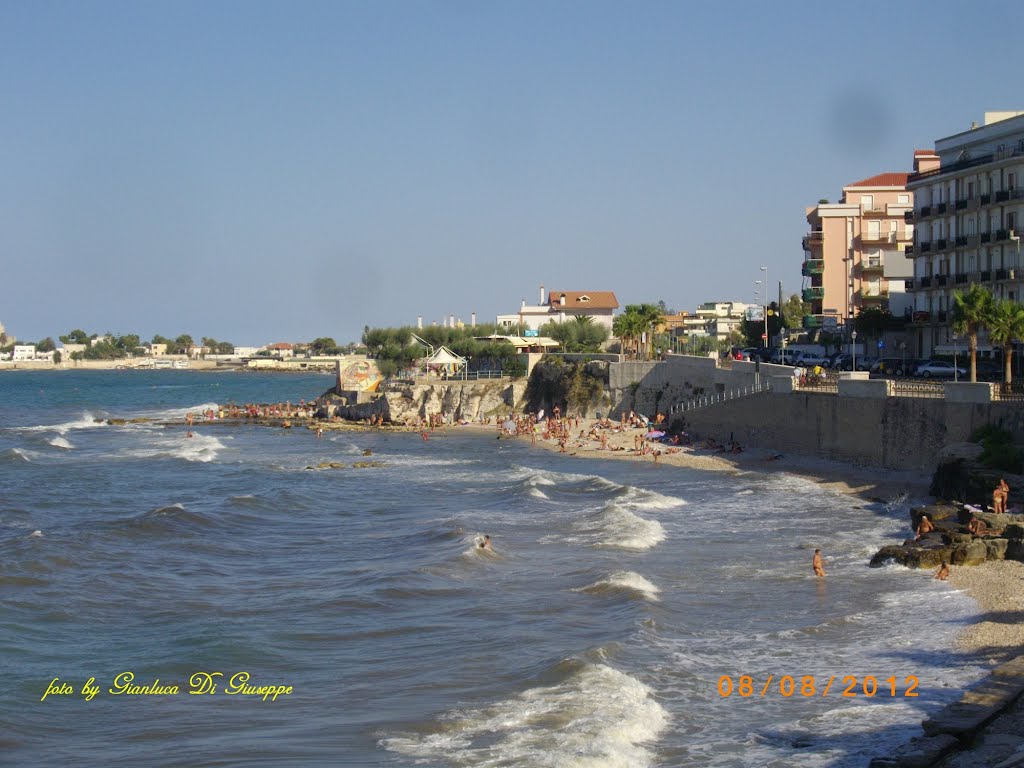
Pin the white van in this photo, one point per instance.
(784, 356)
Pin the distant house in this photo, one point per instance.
(281, 349)
(157, 350)
(24, 352)
(561, 306)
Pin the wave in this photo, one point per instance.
(173, 516)
(17, 456)
(623, 581)
(616, 526)
(88, 420)
(597, 717)
(61, 442)
(199, 447)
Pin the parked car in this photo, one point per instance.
(893, 366)
(840, 361)
(810, 360)
(939, 369)
(988, 370)
(864, 362)
(783, 356)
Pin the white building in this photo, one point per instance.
(561, 306)
(968, 209)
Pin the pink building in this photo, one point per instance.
(855, 253)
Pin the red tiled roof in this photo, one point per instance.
(882, 180)
(279, 345)
(924, 153)
(584, 299)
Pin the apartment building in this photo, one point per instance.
(855, 252)
(967, 215)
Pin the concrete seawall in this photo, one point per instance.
(863, 424)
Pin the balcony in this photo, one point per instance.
(926, 211)
(1002, 234)
(871, 265)
(973, 204)
(813, 294)
(812, 239)
(878, 237)
(812, 267)
(941, 208)
(925, 247)
(812, 321)
(940, 280)
(940, 244)
(926, 282)
(1017, 194)
(986, 198)
(961, 205)
(961, 241)
(960, 278)
(874, 213)
(985, 275)
(908, 216)
(942, 315)
(920, 317)
(1002, 274)
(1002, 196)
(985, 237)
(874, 294)
(909, 250)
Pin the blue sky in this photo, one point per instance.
(259, 172)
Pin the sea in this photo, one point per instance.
(213, 600)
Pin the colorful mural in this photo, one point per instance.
(359, 376)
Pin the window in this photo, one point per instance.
(970, 190)
(867, 202)
(970, 226)
(1011, 181)
(903, 199)
(1011, 220)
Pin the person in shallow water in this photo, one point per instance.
(486, 544)
(818, 564)
(943, 573)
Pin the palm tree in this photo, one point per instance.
(1005, 325)
(627, 327)
(971, 311)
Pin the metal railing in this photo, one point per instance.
(827, 382)
(713, 398)
(918, 388)
(1010, 392)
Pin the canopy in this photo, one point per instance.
(444, 356)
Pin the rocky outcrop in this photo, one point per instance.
(406, 404)
(951, 542)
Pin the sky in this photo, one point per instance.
(281, 171)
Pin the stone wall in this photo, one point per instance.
(470, 400)
(892, 432)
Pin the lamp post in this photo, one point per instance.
(853, 350)
(765, 270)
(955, 371)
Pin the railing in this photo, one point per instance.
(1004, 391)
(826, 382)
(714, 398)
(903, 388)
(951, 168)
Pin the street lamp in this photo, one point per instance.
(765, 270)
(853, 350)
(955, 371)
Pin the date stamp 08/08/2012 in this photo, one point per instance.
(808, 686)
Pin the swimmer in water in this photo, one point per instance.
(817, 564)
(486, 544)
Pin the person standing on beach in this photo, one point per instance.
(818, 564)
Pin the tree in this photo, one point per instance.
(1006, 325)
(971, 310)
(872, 322)
(46, 345)
(323, 345)
(793, 311)
(77, 336)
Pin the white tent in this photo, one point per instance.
(444, 356)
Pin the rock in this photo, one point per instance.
(116, 422)
(981, 704)
(911, 557)
(974, 553)
(368, 452)
(937, 513)
(996, 548)
(365, 464)
(1014, 531)
(921, 752)
(1015, 550)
